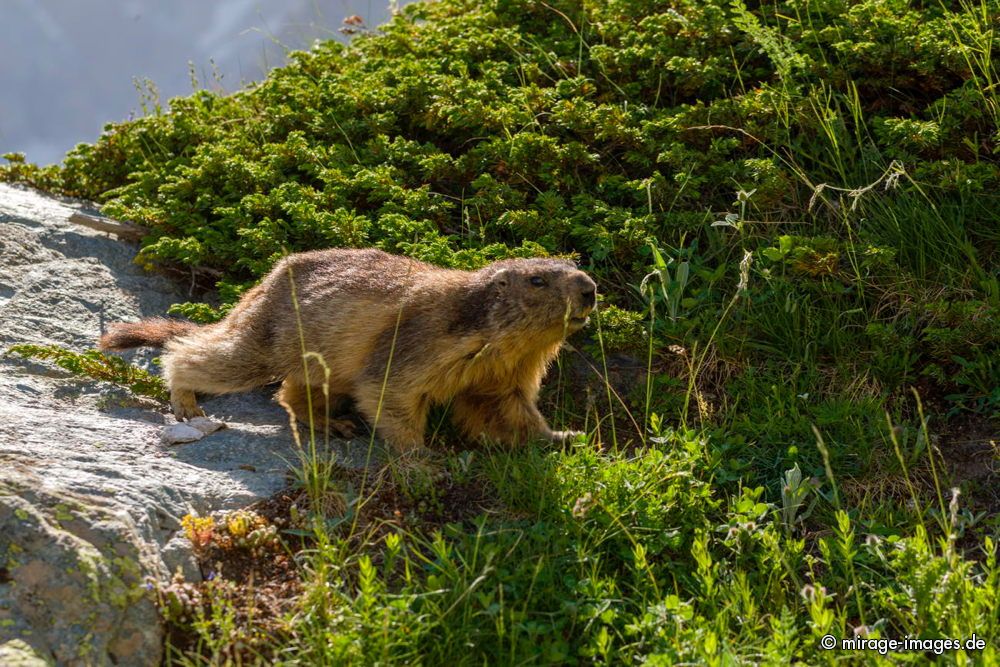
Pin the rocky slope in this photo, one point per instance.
(90, 498)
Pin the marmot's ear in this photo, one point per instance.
(501, 278)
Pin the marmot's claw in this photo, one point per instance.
(185, 412)
(344, 428)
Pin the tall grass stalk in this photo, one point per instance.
(697, 362)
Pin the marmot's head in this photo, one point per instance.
(541, 299)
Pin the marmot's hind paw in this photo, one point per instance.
(185, 405)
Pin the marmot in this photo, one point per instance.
(397, 335)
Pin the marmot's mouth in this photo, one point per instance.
(578, 321)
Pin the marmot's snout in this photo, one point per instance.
(582, 296)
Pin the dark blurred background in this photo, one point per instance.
(67, 67)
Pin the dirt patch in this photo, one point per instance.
(970, 447)
(258, 586)
(253, 583)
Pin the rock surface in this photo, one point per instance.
(90, 497)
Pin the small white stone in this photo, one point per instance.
(176, 434)
(206, 424)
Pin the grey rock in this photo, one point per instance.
(178, 556)
(90, 498)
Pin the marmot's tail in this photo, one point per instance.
(152, 332)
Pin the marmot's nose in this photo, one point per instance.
(588, 290)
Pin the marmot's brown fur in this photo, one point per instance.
(396, 334)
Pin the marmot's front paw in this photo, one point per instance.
(565, 436)
(417, 468)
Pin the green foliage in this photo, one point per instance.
(621, 330)
(790, 211)
(97, 366)
(463, 132)
(963, 344)
(616, 559)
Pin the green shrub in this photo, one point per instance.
(98, 366)
(468, 127)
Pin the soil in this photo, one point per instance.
(263, 585)
(970, 447)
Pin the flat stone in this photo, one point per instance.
(176, 434)
(206, 424)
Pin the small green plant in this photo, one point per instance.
(795, 490)
(672, 275)
(98, 366)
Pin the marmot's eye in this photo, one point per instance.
(538, 281)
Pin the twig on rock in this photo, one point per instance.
(123, 230)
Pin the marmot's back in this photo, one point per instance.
(342, 300)
(368, 271)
